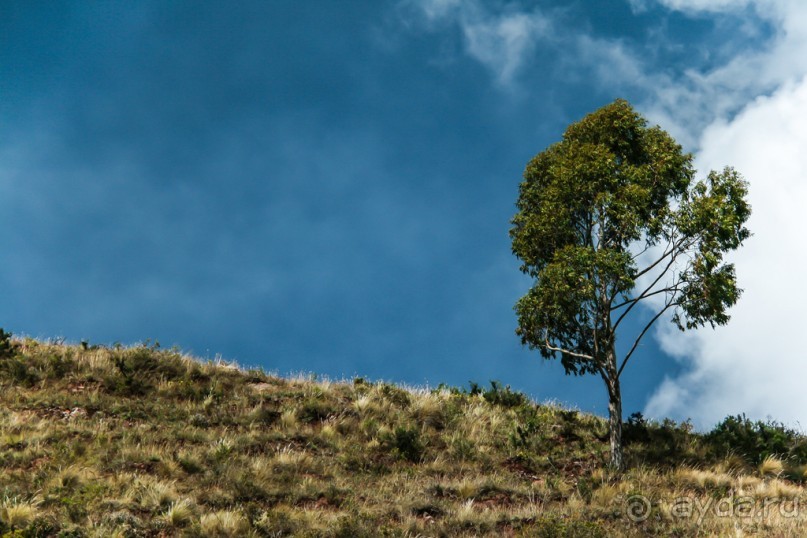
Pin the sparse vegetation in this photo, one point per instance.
(100, 441)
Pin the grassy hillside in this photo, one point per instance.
(98, 441)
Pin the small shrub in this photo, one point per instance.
(6, 346)
(635, 429)
(41, 526)
(501, 396)
(190, 465)
(125, 521)
(139, 368)
(755, 441)
(462, 448)
(198, 420)
(526, 428)
(189, 389)
(659, 442)
(59, 366)
(396, 395)
(407, 444)
(126, 382)
(314, 411)
(19, 370)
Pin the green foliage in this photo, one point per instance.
(19, 371)
(756, 440)
(586, 201)
(314, 410)
(59, 366)
(190, 465)
(406, 443)
(140, 367)
(396, 395)
(525, 428)
(660, 443)
(6, 346)
(13, 366)
(498, 395)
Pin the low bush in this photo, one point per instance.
(498, 395)
(756, 440)
(406, 443)
(660, 443)
(6, 346)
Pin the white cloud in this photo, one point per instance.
(755, 364)
(505, 40)
(501, 44)
(499, 41)
(437, 9)
(705, 5)
(687, 104)
(614, 64)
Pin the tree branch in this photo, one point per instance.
(566, 351)
(645, 249)
(644, 294)
(672, 248)
(681, 249)
(638, 338)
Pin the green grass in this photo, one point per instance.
(98, 441)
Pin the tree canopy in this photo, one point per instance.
(612, 216)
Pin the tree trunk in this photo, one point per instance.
(615, 423)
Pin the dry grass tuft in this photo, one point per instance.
(17, 514)
(771, 466)
(180, 513)
(224, 524)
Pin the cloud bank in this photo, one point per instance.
(505, 40)
(755, 364)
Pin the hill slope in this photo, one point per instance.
(98, 441)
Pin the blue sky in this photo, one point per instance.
(327, 186)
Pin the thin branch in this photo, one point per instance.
(674, 248)
(636, 342)
(645, 249)
(643, 295)
(683, 250)
(642, 272)
(566, 351)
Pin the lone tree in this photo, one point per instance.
(608, 218)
